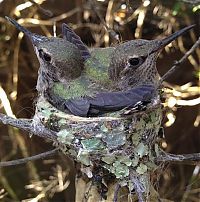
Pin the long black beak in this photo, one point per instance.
(171, 38)
(33, 37)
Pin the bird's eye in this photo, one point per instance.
(45, 56)
(135, 62)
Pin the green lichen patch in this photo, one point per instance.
(44, 109)
(136, 138)
(135, 162)
(142, 150)
(93, 144)
(108, 159)
(125, 160)
(141, 169)
(120, 170)
(151, 165)
(114, 140)
(83, 157)
(65, 137)
(104, 129)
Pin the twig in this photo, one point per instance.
(117, 188)
(180, 158)
(138, 188)
(29, 22)
(27, 159)
(192, 1)
(178, 63)
(29, 126)
(112, 33)
(45, 11)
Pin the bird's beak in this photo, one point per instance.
(33, 37)
(163, 42)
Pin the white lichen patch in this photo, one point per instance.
(142, 150)
(120, 170)
(83, 157)
(141, 169)
(65, 137)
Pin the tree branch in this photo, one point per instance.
(28, 125)
(179, 62)
(25, 160)
(180, 158)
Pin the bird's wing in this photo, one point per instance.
(110, 101)
(78, 107)
(120, 100)
(72, 37)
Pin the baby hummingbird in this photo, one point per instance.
(91, 83)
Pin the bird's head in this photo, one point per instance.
(58, 57)
(134, 62)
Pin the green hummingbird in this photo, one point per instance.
(91, 83)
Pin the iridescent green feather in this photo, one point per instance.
(97, 66)
(93, 78)
(75, 88)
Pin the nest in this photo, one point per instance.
(124, 146)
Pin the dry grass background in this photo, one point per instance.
(98, 22)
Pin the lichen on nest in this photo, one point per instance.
(126, 146)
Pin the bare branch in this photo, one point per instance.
(25, 160)
(45, 11)
(195, 2)
(112, 33)
(180, 158)
(29, 126)
(117, 188)
(179, 62)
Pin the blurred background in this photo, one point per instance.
(99, 23)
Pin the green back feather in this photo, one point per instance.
(92, 80)
(97, 66)
(75, 88)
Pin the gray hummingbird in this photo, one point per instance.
(91, 83)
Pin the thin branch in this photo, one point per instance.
(117, 188)
(178, 63)
(29, 126)
(195, 2)
(112, 33)
(44, 11)
(29, 22)
(180, 158)
(27, 159)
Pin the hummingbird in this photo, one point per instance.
(90, 83)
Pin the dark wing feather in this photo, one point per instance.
(78, 107)
(72, 37)
(110, 101)
(119, 100)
